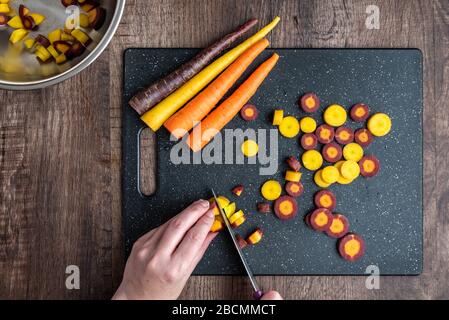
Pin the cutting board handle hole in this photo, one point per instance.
(147, 162)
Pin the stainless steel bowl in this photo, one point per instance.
(20, 70)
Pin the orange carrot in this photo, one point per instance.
(186, 118)
(226, 111)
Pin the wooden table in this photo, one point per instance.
(60, 149)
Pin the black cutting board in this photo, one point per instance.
(386, 210)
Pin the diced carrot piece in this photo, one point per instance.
(255, 237)
(277, 117)
(293, 163)
(237, 190)
(293, 176)
(217, 225)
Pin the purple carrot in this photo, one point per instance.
(148, 97)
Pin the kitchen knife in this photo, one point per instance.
(257, 292)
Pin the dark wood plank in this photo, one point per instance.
(60, 162)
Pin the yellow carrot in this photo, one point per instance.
(226, 111)
(160, 113)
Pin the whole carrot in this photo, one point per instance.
(148, 97)
(161, 112)
(193, 112)
(226, 111)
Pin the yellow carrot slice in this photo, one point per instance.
(160, 113)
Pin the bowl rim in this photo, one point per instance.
(75, 69)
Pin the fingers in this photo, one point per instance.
(271, 295)
(178, 226)
(199, 255)
(194, 238)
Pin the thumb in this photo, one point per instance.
(271, 295)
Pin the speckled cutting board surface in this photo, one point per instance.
(385, 210)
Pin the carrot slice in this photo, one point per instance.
(309, 141)
(350, 169)
(332, 152)
(353, 151)
(250, 148)
(351, 247)
(321, 219)
(294, 189)
(325, 133)
(325, 199)
(344, 135)
(359, 112)
(341, 179)
(309, 102)
(379, 124)
(307, 124)
(338, 227)
(319, 180)
(249, 112)
(271, 190)
(363, 137)
(335, 115)
(312, 160)
(330, 174)
(369, 166)
(289, 127)
(285, 207)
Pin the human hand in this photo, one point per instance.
(271, 295)
(162, 260)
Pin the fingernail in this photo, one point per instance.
(204, 203)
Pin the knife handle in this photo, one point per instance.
(257, 295)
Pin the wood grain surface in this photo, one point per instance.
(60, 149)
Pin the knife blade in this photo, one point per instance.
(257, 292)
